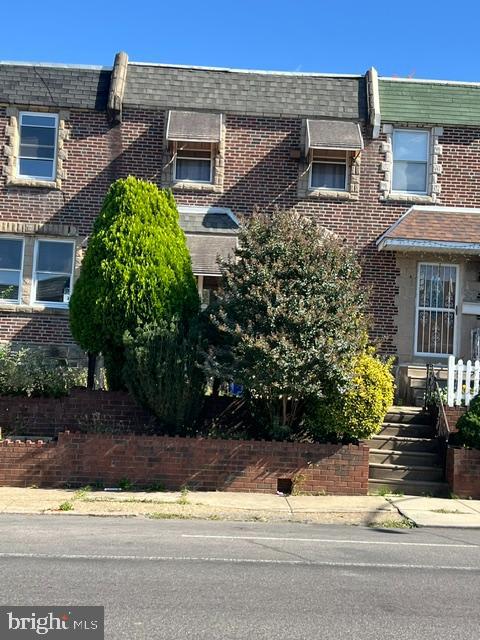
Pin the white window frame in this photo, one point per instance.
(333, 161)
(455, 310)
(55, 152)
(20, 284)
(182, 180)
(427, 163)
(33, 299)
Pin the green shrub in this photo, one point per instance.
(27, 372)
(136, 271)
(468, 426)
(289, 317)
(359, 411)
(163, 373)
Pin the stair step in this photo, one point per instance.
(411, 488)
(408, 458)
(405, 415)
(412, 430)
(405, 472)
(402, 443)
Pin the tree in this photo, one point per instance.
(136, 272)
(290, 316)
(165, 374)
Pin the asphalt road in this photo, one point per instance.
(232, 581)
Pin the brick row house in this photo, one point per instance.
(390, 165)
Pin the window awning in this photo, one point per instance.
(193, 126)
(333, 134)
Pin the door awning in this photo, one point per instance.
(193, 126)
(434, 228)
(334, 134)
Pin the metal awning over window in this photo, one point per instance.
(192, 126)
(333, 134)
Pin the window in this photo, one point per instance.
(329, 170)
(11, 258)
(52, 273)
(193, 162)
(410, 161)
(38, 143)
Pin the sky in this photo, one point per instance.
(406, 38)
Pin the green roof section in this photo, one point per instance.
(429, 102)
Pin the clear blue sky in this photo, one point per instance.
(425, 39)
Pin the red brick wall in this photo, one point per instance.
(81, 410)
(201, 464)
(463, 472)
(258, 172)
(452, 414)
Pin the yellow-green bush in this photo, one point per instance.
(359, 412)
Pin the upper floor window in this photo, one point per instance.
(194, 162)
(38, 145)
(53, 272)
(11, 262)
(329, 170)
(410, 161)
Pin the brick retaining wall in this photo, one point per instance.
(463, 472)
(78, 459)
(81, 410)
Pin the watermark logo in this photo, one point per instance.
(58, 623)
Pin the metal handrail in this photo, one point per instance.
(432, 389)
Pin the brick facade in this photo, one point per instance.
(201, 464)
(463, 472)
(261, 168)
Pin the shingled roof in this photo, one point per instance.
(54, 85)
(248, 92)
(211, 232)
(435, 229)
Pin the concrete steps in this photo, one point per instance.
(405, 456)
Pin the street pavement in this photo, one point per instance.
(233, 581)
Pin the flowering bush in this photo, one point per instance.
(359, 411)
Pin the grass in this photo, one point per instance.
(81, 494)
(66, 506)
(386, 491)
(392, 523)
(183, 499)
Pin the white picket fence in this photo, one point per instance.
(463, 382)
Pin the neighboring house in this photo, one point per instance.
(381, 163)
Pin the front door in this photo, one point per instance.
(436, 312)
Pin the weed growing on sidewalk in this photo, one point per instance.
(183, 499)
(386, 491)
(66, 506)
(82, 493)
(392, 523)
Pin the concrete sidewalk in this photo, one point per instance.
(392, 511)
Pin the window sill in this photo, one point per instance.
(25, 308)
(195, 186)
(31, 182)
(331, 194)
(408, 197)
